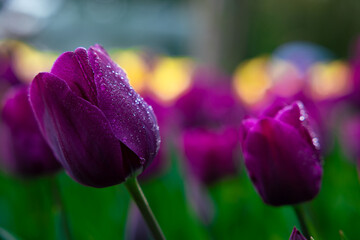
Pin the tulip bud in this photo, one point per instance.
(23, 148)
(296, 235)
(209, 114)
(282, 156)
(7, 69)
(210, 155)
(99, 128)
(209, 105)
(355, 73)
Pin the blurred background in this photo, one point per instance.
(259, 50)
(217, 32)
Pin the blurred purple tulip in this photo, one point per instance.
(349, 136)
(211, 155)
(8, 76)
(296, 235)
(7, 71)
(282, 156)
(209, 113)
(355, 73)
(24, 150)
(208, 103)
(99, 128)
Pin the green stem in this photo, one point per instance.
(59, 207)
(138, 196)
(299, 211)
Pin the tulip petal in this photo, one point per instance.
(245, 127)
(132, 119)
(296, 235)
(273, 109)
(296, 116)
(74, 69)
(79, 133)
(281, 164)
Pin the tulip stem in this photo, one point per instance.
(60, 210)
(299, 212)
(138, 196)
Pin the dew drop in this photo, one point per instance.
(316, 143)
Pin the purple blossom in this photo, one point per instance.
(7, 68)
(355, 73)
(296, 235)
(209, 114)
(282, 156)
(99, 128)
(24, 150)
(211, 155)
(208, 103)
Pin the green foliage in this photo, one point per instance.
(28, 210)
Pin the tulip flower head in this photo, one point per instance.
(282, 156)
(98, 127)
(211, 155)
(296, 235)
(7, 62)
(209, 104)
(208, 116)
(23, 148)
(355, 73)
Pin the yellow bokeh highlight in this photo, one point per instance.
(171, 77)
(251, 80)
(29, 61)
(134, 66)
(329, 80)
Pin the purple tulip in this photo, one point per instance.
(296, 235)
(317, 113)
(99, 128)
(211, 155)
(24, 150)
(208, 115)
(208, 103)
(7, 68)
(282, 156)
(355, 73)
